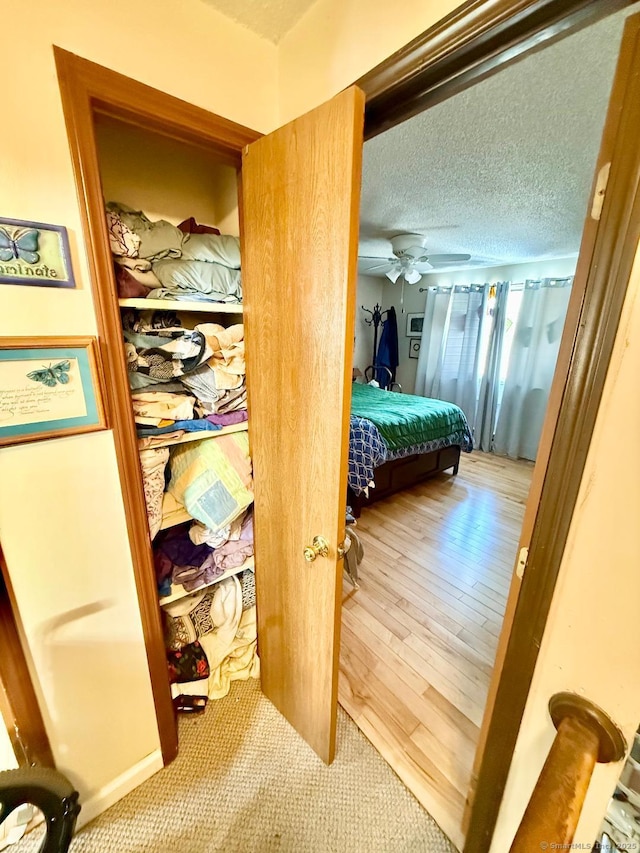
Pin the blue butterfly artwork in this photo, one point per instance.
(21, 245)
(52, 375)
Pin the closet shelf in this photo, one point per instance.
(180, 305)
(202, 435)
(178, 591)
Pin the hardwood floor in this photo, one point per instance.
(420, 634)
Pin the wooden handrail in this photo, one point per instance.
(585, 734)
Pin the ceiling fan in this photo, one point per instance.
(411, 259)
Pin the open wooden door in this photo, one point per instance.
(300, 197)
(608, 242)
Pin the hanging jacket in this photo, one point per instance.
(387, 355)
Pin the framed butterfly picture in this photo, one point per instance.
(34, 253)
(49, 388)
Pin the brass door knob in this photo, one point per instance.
(318, 548)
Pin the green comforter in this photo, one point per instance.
(405, 420)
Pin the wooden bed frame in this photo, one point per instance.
(392, 477)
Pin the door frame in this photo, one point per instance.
(86, 90)
(19, 708)
(472, 43)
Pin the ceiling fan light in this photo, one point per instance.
(412, 276)
(393, 275)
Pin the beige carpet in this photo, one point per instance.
(245, 781)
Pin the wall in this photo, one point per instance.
(166, 178)
(62, 523)
(369, 294)
(336, 42)
(591, 644)
(414, 301)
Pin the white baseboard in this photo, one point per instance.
(119, 787)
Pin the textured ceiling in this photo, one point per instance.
(271, 19)
(503, 170)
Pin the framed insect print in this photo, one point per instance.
(49, 388)
(34, 253)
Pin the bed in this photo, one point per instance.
(398, 440)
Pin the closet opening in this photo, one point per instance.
(172, 217)
(164, 164)
(472, 218)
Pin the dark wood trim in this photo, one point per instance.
(587, 248)
(474, 41)
(88, 90)
(18, 702)
(614, 253)
(477, 39)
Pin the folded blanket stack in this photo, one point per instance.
(182, 380)
(211, 639)
(210, 635)
(178, 374)
(179, 561)
(159, 260)
(191, 380)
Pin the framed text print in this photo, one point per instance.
(34, 253)
(49, 387)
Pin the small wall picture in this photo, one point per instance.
(34, 253)
(414, 348)
(49, 388)
(414, 325)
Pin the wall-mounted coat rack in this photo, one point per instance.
(375, 319)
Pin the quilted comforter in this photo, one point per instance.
(407, 421)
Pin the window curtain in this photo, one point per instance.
(448, 363)
(488, 398)
(531, 367)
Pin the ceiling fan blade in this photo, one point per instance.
(377, 258)
(379, 266)
(448, 259)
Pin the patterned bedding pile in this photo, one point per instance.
(386, 426)
(159, 260)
